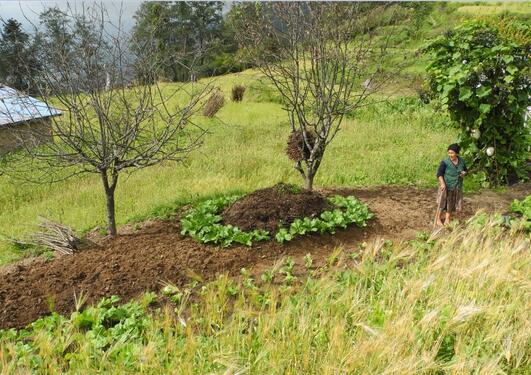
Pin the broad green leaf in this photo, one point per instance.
(512, 69)
(508, 59)
(465, 93)
(483, 91)
(484, 108)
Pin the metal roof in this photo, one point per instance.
(17, 107)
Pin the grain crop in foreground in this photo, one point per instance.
(457, 305)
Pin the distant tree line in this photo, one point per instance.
(189, 39)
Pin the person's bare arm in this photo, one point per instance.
(442, 184)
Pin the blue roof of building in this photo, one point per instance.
(17, 107)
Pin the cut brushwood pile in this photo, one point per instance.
(54, 236)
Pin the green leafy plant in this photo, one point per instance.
(203, 222)
(482, 79)
(248, 280)
(349, 211)
(522, 207)
(268, 276)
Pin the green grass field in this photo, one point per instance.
(244, 150)
(456, 305)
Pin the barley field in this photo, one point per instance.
(459, 304)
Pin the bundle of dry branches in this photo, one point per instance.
(237, 93)
(51, 235)
(297, 148)
(56, 236)
(213, 104)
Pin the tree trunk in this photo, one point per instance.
(109, 195)
(308, 182)
(111, 219)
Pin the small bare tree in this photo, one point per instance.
(324, 61)
(116, 117)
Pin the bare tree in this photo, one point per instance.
(323, 59)
(116, 117)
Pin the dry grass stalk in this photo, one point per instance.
(213, 104)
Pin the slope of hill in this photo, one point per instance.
(454, 305)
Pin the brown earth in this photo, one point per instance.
(272, 207)
(141, 260)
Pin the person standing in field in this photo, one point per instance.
(450, 175)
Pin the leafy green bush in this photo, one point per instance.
(482, 80)
(203, 222)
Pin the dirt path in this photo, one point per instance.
(139, 261)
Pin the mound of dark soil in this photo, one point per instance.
(272, 207)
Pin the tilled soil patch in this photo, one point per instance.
(141, 261)
(273, 207)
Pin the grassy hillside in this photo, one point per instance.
(244, 150)
(520, 8)
(456, 305)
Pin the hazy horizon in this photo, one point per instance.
(27, 12)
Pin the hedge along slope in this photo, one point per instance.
(283, 211)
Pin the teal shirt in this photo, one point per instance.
(452, 173)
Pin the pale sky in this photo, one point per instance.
(30, 9)
(27, 11)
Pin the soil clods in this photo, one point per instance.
(274, 207)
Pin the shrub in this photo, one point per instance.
(237, 93)
(214, 104)
(482, 80)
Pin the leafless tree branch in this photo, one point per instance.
(116, 117)
(324, 61)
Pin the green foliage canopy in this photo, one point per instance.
(483, 82)
(191, 39)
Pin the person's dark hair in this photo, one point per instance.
(454, 147)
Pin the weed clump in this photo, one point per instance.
(297, 149)
(214, 104)
(237, 93)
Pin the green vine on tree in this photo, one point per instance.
(483, 81)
